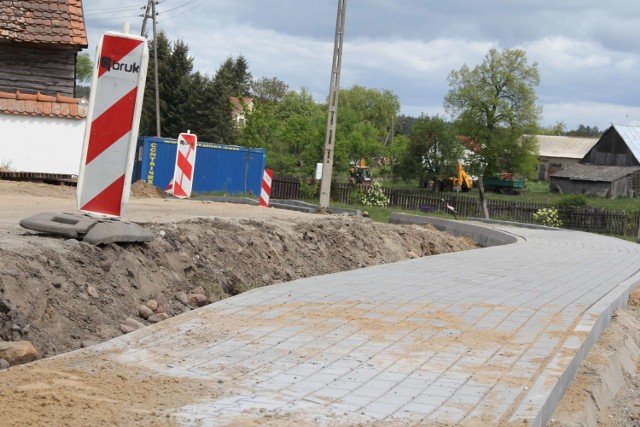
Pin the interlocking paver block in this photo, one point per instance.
(473, 338)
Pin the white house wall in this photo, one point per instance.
(41, 144)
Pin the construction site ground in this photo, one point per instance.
(62, 294)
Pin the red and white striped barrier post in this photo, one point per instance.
(182, 181)
(117, 88)
(265, 193)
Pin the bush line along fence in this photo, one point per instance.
(583, 218)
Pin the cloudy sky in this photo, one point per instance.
(588, 52)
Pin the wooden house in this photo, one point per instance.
(610, 169)
(39, 41)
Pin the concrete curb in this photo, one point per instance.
(602, 311)
(486, 237)
(227, 199)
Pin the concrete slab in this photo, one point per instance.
(91, 230)
(485, 337)
(64, 224)
(117, 232)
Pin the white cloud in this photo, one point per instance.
(588, 58)
(565, 54)
(602, 115)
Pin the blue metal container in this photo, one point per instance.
(219, 168)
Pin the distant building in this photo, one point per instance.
(556, 153)
(241, 108)
(611, 168)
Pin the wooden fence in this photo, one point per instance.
(285, 187)
(583, 218)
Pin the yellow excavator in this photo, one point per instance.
(360, 172)
(462, 182)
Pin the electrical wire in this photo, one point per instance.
(194, 3)
(110, 11)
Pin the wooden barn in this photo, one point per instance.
(39, 41)
(556, 153)
(610, 169)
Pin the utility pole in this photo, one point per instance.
(155, 66)
(151, 7)
(332, 115)
(144, 20)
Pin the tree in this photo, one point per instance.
(269, 89)
(234, 77)
(148, 117)
(84, 72)
(366, 121)
(557, 129)
(84, 68)
(432, 151)
(292, 131)
(586, 131)
(495, 104)
(173, 89)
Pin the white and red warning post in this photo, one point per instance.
(117, 88)
(182, 182)
(265, 192)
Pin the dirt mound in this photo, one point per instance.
(65, 294)
(634, 298)
(141, 189)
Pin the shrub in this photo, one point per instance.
(308, 189)
(356, 196)
(573, 200)
(548, 217)
(374, 196)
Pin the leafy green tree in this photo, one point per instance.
(557, 129)
(84, 72)
(291, 130)
(84, 68)
(495, 104)
(431, 152)
(586, 131)
(268, 89)
(366, 119)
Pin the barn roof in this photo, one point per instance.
(631, 137)
(581, 172)
(564, 146)
(51, 22)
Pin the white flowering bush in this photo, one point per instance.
(374, 196)
(548, 217)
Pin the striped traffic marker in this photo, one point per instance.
(182, 181)
(117, 88)
(265, 193)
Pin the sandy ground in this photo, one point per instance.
(61, 294)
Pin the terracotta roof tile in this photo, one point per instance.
(42, 105)
(43, 21)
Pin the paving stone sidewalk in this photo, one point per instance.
(483, 337)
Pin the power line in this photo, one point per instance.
(180, 6)
(193, 3)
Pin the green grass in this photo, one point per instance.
(538, 192)
(382, 214)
